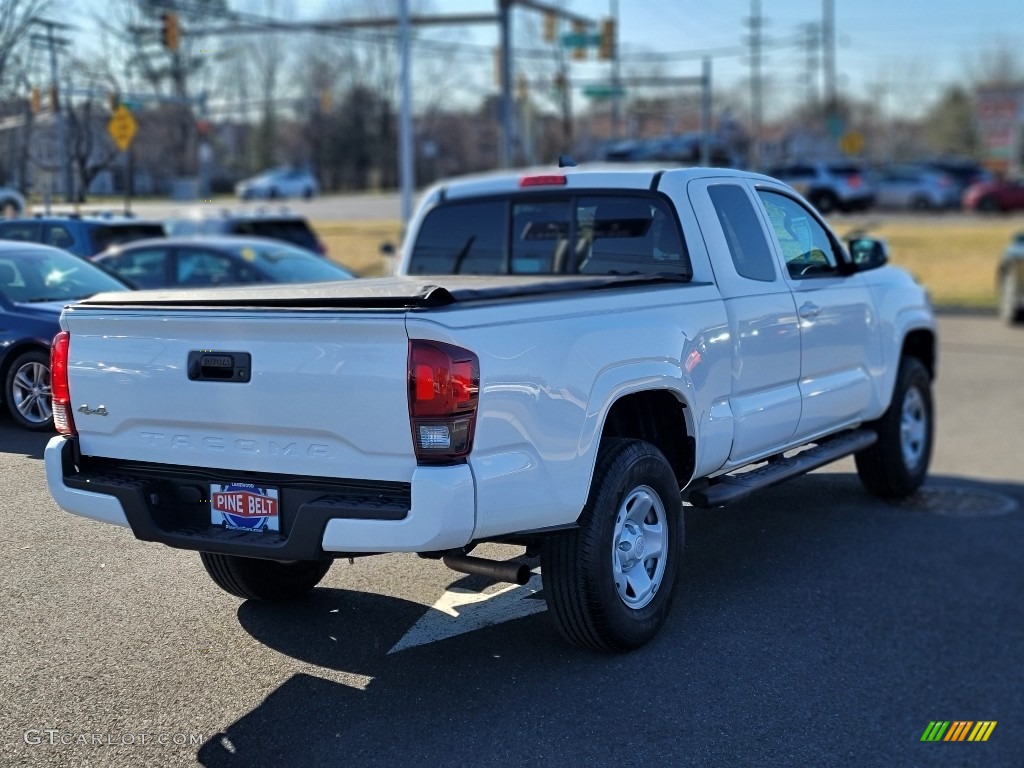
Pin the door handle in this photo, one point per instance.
(809, 310)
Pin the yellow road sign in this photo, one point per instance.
(122, 127)
(852, 143)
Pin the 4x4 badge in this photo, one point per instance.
(101, 411)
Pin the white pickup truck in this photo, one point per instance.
(566, 359)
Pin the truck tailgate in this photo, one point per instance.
(326, 393)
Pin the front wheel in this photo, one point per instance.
(896, 465)
(255, 579)
(609, 583)
(27, 391)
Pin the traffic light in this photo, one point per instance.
(606, 50)
(550, 27)
(170, 32)
(35, 101)
(560, 82)
(579, 53)
(325, 101)
(113, 100)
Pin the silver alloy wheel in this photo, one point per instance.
(639, 553)
(30, 391)
(913, 428)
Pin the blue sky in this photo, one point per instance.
(905, 50)
(901, 53)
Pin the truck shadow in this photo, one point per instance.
(810, 622)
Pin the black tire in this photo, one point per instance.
(583, 573)
(988, 205)
(1010, 311)
(920, 203)
(255, 579)
(27, 391)
(826, 202)
(896, 466)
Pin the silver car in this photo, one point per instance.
(278, 183)
(915, 188)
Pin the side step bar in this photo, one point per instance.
(730, 488)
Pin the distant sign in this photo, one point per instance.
(122, 127)
(852, 142)
(580, 40)
(1000, 117)
(602, 91)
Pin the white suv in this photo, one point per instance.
(829, 186)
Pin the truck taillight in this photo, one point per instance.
(444, 387)
(62, 418)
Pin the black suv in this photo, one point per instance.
(83, 235)
(273, 224)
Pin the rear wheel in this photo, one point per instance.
(1009, 298)
(988, 205)
(896, 466)
(255, 579)
(825, 202)
(27, 391)
(609, 583)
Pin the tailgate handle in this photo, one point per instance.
(214, 365)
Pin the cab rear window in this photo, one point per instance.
(595, 234)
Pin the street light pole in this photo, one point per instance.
(62, 143)
(406, 169)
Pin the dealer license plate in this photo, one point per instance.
(245, 507)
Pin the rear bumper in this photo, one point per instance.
(319, 517)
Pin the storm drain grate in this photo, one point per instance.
(960, 501)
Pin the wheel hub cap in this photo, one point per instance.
(639, 547)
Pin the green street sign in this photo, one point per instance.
(580, 40)
(603, 91)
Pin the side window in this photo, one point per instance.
(749, 249)
(628, 236)
(58, 236)
(466, 238)
(198, 268)
(20, 230)
(805, 244)
(147, 269)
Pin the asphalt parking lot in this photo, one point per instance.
(814, 626)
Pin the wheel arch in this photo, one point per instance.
(12, 353)
(921, 343)
(658, 416)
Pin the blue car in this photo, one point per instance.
(36, 283)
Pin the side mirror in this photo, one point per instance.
(867, 253)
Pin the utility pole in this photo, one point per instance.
(51, 42)
(508, 121)
(406, 170)
(811, 47)
(705, 112)
(616, 74)
(755, 22)
(828, 43)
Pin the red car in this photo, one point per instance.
(995, 196)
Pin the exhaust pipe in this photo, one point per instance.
(514, 573)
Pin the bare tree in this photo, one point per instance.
(16, 16)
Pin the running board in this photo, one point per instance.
(730, 488)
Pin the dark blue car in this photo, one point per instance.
(36, 282)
